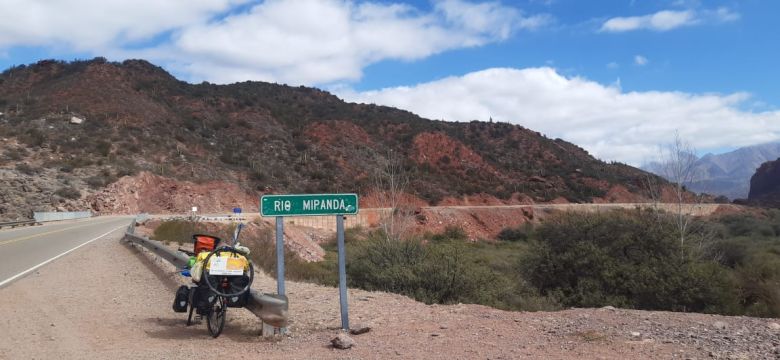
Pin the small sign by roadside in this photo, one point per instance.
(309, 204)
(312, 205)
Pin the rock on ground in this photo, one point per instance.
(342, 341)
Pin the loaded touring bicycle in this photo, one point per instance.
(222, 276)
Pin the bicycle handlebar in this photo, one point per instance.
(190, 253)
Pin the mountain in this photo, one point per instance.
(727, 174)
(765, 185)
(103, 135)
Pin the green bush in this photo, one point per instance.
(443, 272)
(759, 282)
(625, 258)
(263, 255)
(749, 225)
(520, 233)
(178, 231)
(102, 147)
(451, 232)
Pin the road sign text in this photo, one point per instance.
(309, 204)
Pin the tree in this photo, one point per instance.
(678, 165)
(390, 182)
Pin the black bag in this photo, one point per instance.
(203, 299)
(236, 284)
(181, 299)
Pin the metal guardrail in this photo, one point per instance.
(174, 257)
(270, 308)
(57, 216)
(141, 218)
(17, 223)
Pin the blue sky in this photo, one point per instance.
(715, 57)
(616, 77)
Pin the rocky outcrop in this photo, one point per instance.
(155, 194)
(765, 185)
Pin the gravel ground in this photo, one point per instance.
(109, 300)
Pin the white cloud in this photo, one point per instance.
(95, 25)
(610, 123)
(640, 60)
(324, 41)
(613, 65)
(293, 41)
(670, 19)
(723, 14)
(661, 21)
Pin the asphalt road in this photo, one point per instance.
(23, 250)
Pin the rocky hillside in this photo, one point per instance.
(70, 131)
(765, 185)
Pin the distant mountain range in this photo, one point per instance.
(727, 174)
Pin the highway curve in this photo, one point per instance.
(23, 250)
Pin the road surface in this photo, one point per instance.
(23, 250)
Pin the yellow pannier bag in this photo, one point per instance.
(225, 263)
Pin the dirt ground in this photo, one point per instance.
(109, 300)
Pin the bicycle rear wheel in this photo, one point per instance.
(216, 318)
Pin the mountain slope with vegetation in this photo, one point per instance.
(263, 137)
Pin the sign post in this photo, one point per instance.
(280, 255)
(342, 272)
(312, 205)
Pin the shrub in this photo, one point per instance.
(102, 148)
(520, 233)
(33, 137)
(264, 256)
(100, 180)
(27, 169)
(747, 225)
(451, 232)
(178, 231)
(624, 258)
(16, 154)
(759, 282)
(68, 193)
(443, 272)
(721, 200)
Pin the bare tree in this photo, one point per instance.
(678, 160)
(390, 183)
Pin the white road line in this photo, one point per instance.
(55, 258)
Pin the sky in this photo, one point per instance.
(617, 77)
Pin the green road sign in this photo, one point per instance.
(309, 204)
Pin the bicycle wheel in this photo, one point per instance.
(216, 318)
